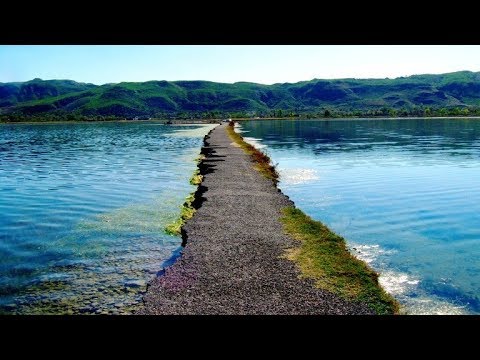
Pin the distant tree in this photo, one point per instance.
(392, 112)
(327, 113)
(456, 111)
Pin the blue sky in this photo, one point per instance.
(267, 64)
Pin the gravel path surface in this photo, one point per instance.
(232, 262)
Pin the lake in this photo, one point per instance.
(404, 193)
(84, 208)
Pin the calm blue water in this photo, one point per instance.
(404, 193)
(83, 208)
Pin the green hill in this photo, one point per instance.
(37, 89)
(459, 91)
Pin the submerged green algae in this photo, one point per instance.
(115, 254)
(187, 210)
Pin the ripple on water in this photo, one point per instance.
(297, 176)
(406, 288)
(83, 212)
(254, 142)
(405, 193)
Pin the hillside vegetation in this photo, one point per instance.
(422, 95)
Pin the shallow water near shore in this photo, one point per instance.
(83, 210)
(404, 193)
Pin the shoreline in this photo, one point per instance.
(363, 118)
(235, 256)
(217, 121)
(162, 121)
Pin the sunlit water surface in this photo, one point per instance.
(83, 209)
(404, 193)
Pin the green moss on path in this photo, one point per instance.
(323, 256)
(187, 212)
(262, 161)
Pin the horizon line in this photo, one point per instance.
(243, 81)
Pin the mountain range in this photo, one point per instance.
(156, 98)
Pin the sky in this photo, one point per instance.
(266, 64)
